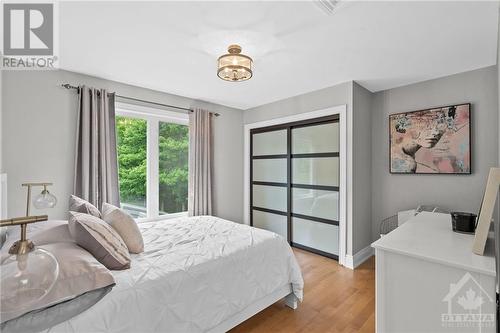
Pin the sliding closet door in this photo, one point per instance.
(269, 190)
(315, 187)
(295, 183)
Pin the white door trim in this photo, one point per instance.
(341, 110)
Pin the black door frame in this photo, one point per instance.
(289, 185)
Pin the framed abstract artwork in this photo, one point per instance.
(431, 141)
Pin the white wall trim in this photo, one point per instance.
(344, 218)
(152, 172)
(354, 261)
(150, 113)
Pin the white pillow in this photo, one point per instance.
(125, 226)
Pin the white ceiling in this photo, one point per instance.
(297, 47)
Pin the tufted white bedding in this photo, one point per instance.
(195, 273)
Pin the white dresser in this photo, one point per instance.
(428, 279)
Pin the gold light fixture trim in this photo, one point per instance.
(234, 66)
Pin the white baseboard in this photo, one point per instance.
(354, 261)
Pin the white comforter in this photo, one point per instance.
(194, 273)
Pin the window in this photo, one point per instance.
(152, 149)
(173, 168)
(132, 152)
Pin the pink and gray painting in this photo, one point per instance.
(431, 141)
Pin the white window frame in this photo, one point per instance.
(153, 117)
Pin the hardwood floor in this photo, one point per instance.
(336, 299)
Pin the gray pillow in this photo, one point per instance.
(79, 272)
(125, 225)
(79, 205)
(52, 231)
(42, 319)
(100, 239)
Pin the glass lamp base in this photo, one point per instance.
(26, 279)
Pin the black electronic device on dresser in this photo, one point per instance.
(463, 222)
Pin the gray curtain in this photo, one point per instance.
(200, 163)
(96, 167)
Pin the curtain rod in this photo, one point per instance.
(69, 86)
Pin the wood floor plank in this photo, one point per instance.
(336, 300)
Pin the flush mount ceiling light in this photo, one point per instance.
(234, 66)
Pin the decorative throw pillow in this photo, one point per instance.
(125, 225)
(100, 239)
(79, 205)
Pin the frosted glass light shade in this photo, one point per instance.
(234, 66)
(44, 200)
(26, 279)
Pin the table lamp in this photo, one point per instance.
(28, 273)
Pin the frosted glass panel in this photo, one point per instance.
(320, 236)
(316, 171)
(272, 222)
(269, 143)
(270, 170)
(271, 197)
(317, 203)
(316, 139)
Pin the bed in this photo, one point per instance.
(197, 274)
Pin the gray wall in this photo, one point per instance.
(316, 100)
(359, 230)
(38, 137)
(497, 224)
(393, 193)
(1, 116)
(362, 158)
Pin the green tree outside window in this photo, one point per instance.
(173, 164)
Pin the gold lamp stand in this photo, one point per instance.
(24, 245)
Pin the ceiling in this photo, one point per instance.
(297, 47)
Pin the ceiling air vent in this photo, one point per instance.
(328, 6)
